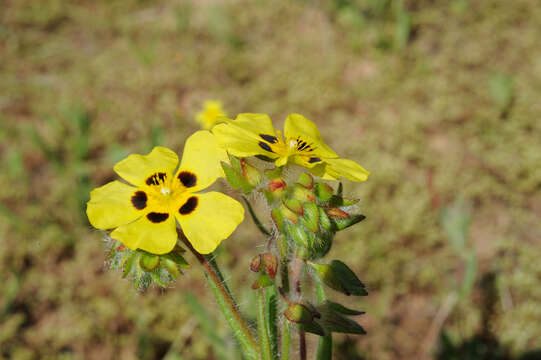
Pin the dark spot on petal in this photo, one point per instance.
(156, 178)
(265, 146)
(314, 160)
(187, 178)
(157, 217)
(139, 200)
(269, 138)
(302, 145)
(188, 206)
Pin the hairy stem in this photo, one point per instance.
(296, 274)
(324, 345)
(227, 304)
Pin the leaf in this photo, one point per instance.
(341, 308)
(339, 277)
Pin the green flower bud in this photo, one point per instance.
(298, 234)
(262, 281)
(323, 192)
(301, 193)
(293, 205)
(299, 313)
(339, 277)
(273, 174)
(250, 173)
(306, 180)
(144, 268)
(324, 220)
(149, 261)
(310, 218)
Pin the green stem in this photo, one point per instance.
(255, 218)
(229, 308)
(265, 323)
(324, 345)
(296, 275)
(286, 339)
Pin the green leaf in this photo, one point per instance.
(341, 308)
(339, 277)
(343, 223)
(333, 321)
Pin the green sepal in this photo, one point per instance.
(324, 192)
(148, 261)
(312, 328)
(334, 321)
(235, 178)
(322, 244)
(324, 220)
(278, 219)
(274, 173)
(299, 313)
(340, 308)
(262, 281)
(301, 193)
(341, 224)
(250, 174)
(306, 180)
(311, 217)
(298, 234)
(288, 214)
(338, 201)
(339, 277)
(293, 205)
(170, 266)
(177, 258)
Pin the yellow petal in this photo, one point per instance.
(346, 168)
(242, 137)
(297, 126)
(136, 169)
(200, 165)
(111, 205)
(154, 237)
(207, 219)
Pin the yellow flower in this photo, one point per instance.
(143, 214)
(253, 134)
(211, 113)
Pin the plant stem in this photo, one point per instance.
(227, 304)
(263, 326)
(324, 345)
(296, 274)
(256, 220)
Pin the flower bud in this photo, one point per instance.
(293, 205)
(262, 281)
(306, 180)
(310, 218)
(271, 264)
(301, 193)
(149, 261)
(323, 192)
(255, 264)
(338, 276)
(250, 173)
(299, 313)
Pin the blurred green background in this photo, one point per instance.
(439, 99)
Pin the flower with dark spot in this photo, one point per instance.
(301, 144)
(143, 213)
